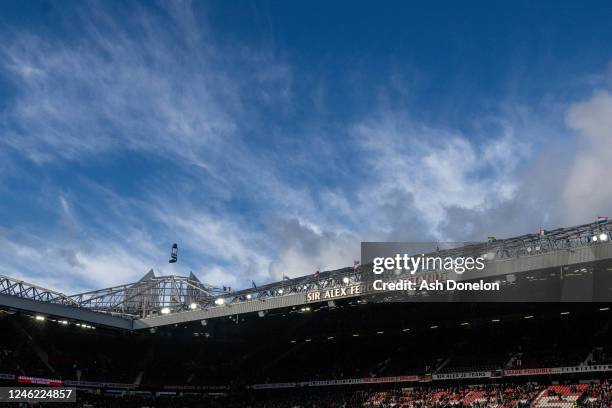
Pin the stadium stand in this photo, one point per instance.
(499, 359)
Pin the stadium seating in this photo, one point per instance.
(560, 396)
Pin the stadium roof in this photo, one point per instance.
(162, 300)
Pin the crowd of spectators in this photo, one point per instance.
(597, 395)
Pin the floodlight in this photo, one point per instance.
(603, 237)
(249, 296)
(165, 310)
(193, 306)
(39, 318)
(345, 280)
(219, 301)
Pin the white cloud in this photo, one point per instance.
(305, 248)
(588, 192)
(164, 89)
(433, 170)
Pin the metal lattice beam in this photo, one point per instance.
(153, 295)
(21, 289)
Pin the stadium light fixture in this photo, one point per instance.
(219, 301)
(280, 291)
(355, 334)
(249, 296)
(603, 237)
(345, 280)
(380, 332)
(307, 340)
(594, 239)
(465, 324)
(64, 322)
(528, 317)
(330, 338)
(433, 327)
(564, 313)
(193, 306)
(405, 330)
(495, 321)
(604, 309)
(165, 310)
(40, 318)
(292, 341)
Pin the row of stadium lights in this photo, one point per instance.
(526, 317)
(194, 306)
(221, 301)
(41, 318)
(603, 237)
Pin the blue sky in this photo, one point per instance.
(271, 138)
